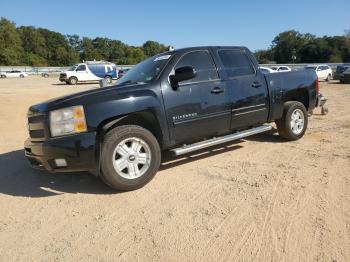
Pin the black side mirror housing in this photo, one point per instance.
(182, 74)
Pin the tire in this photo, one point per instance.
(108, 79)
(117, 147)
(291, 111)
(329, 77)
(324, 110)
(73, 80)
(21, 76)
(3, 76)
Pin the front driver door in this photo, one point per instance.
(198, 108)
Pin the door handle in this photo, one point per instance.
(217, 90)
(256, 84)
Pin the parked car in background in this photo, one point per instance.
(345, 76)
(266, 70)
(324, 72)
(90, 71)
(122, 72)
(281, 68)
(13, 73)
(340, 69)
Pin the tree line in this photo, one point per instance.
(294, 47)
(28, 45)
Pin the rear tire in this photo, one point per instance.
(3, 76)
(293, 124)
(73, 80)
(108, 79)
(130, 157)
(21, 76)
(329, 77)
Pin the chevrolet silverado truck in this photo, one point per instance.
(179, 101)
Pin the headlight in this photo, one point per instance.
(68, 120)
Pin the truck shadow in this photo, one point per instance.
(17, 178)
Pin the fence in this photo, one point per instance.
(39, 70)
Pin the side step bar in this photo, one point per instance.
(220, 140)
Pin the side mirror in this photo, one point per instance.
(182, 74)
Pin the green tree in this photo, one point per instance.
(151, 48)
(10, 43)
(288, 44)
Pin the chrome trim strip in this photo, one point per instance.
(201, 117)
(219, 140)
(262, 109)
(241, 108)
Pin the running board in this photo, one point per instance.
(220, 140)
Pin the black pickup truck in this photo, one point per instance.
(182, 100)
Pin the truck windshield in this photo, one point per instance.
(73, 68)
(145, 71)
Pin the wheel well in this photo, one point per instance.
(302, 97)
(145, 119)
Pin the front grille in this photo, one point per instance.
(36, 127)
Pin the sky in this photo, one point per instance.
(183, 23)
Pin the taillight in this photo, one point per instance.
(317, 86)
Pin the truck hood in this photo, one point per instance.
(88, 97)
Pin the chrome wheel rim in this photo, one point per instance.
(131, 158)
(297, 121)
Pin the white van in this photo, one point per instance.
(90, 71)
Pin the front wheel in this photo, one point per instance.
(293, 124)
(21, 76)
(73, 80)
(130, 157)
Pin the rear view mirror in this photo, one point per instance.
(182, 74)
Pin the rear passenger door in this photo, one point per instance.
(247, 89)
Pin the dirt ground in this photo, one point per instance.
(258, 199)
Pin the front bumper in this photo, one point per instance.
(63, 78)
(78, 150)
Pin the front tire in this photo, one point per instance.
(21, 76)
(73, 80)
(293, 124)
(130, 157)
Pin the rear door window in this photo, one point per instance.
(202, 63)
(236, 63)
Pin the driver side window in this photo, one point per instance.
(81, 68)
(202, 63)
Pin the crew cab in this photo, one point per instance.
(179, 101)
(90, 71)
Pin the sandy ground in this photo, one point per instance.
(259, 199)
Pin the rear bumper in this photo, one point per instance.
(78, 151)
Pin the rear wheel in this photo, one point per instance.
(73, 80)
(329, 77)
(108, 79)
(293, 124)
(3, 76)
(130, 157)
(21, 76)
